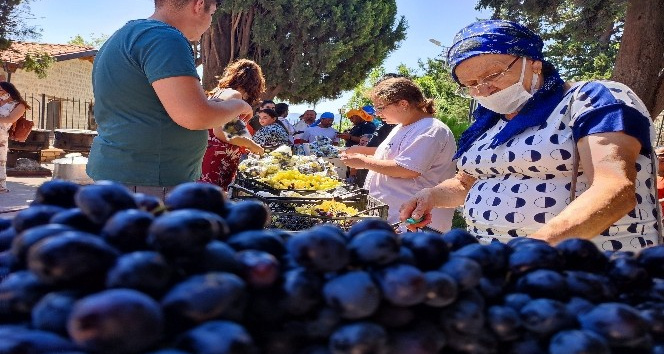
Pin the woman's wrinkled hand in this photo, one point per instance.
(418, 207)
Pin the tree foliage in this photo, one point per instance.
(94, 41)
(12, 22)
(308, 49)
(598, 39)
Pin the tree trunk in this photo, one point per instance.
(640, 60)
(216, 50)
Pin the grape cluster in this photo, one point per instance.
(96, 269)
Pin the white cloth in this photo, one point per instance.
(300, 126)
(426, 147)
(525, 182)
(311, 133)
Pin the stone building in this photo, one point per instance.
(63, 99)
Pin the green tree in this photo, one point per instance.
(617, 39)
(12, 22)
(95, 42)
(308, 49)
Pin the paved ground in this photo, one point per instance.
(21, 193)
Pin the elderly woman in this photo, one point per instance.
(416, 154)
(516, 163)
(272, 133)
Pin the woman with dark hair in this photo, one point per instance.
(12, 107)
(273, 133)
(545, 159)
(417, 154)
(227, 144)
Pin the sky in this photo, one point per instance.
(62, 20)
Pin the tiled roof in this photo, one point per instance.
(16, 53)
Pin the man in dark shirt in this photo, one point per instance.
(362, 125)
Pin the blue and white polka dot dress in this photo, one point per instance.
(524, 183)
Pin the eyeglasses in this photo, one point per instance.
(381, 108)
(467, 90)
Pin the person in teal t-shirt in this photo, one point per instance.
(151, 110)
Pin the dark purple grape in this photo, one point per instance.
(465, 271)
(19, 340)
(53, 310)
(463, 317)
(217, 337)
(19, 293)
(258, 269)
(505, 322)
(116, 321)
(260, 240)
(320, 248)
(492, 288)
(593, 287)
(457, 238)
(546, 317)
(75, 218)
(353, 294)
(246, 215)
(184, 233)
(580, 254)
(6, 238)
(22, 242)
(533, 255)
(578, 342)
(430, 250)
(654, 316)
(204, 297)
(442, 289)
(652, 259)
(628, 275)
(578, 305)
(374, 247)
(302, 291)
(195, 195)
(58, 192)
(101, 200)
(5, 224)
(144, 271)
(621, 325)
(516, 300)
(402, 285)
(368, 224)
(34, 216)
(217, 257)
(72, 259)
(359, 337)
(543, 283)
(127, 230)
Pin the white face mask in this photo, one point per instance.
(510, 99)
(5, 97)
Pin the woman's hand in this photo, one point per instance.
(419, 207)
(353, 160)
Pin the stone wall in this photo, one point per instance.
(66, 80)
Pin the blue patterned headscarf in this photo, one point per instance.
(505, 37)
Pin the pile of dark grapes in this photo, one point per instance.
(96, 269)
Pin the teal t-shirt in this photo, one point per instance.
(137, 142)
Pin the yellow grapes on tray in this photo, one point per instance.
(328, 208)
(297, 180)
